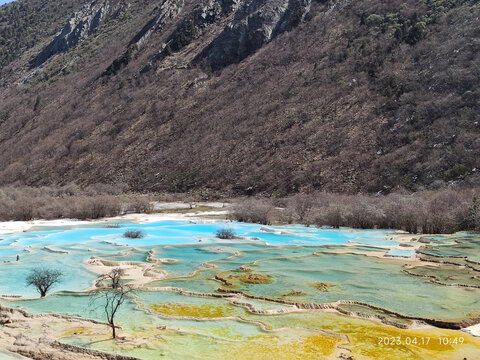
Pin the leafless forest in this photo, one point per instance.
(441, 211)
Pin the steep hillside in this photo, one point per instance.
(237, 96)
(25, 23)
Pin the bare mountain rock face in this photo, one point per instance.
(249, 25)
(168, 10)
(254, 24)
(83, 23)
(193, 24)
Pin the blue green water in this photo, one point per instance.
(401, 253)
(294, 256)
(4, 355)
(457, 246)
(83, 241)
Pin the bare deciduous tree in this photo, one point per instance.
(252, 210)
(112, 296)
(302, 204)
(43, 279)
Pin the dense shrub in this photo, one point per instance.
(225, 233)
(133, 234)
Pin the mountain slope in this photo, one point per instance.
(242, 97)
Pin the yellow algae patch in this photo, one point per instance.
(247, 278)
(254, 278)
(380, 342)
(77, 331)
(317, 346)
(191, 310)
(226, 332)
(322, 286)
(375, 341)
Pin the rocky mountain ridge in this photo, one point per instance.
(82, 24)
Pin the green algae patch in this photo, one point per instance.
(254, 278)
(191, 310)
(322, 286)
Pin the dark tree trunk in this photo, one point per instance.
(114, 335)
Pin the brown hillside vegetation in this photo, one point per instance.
(347, 96)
